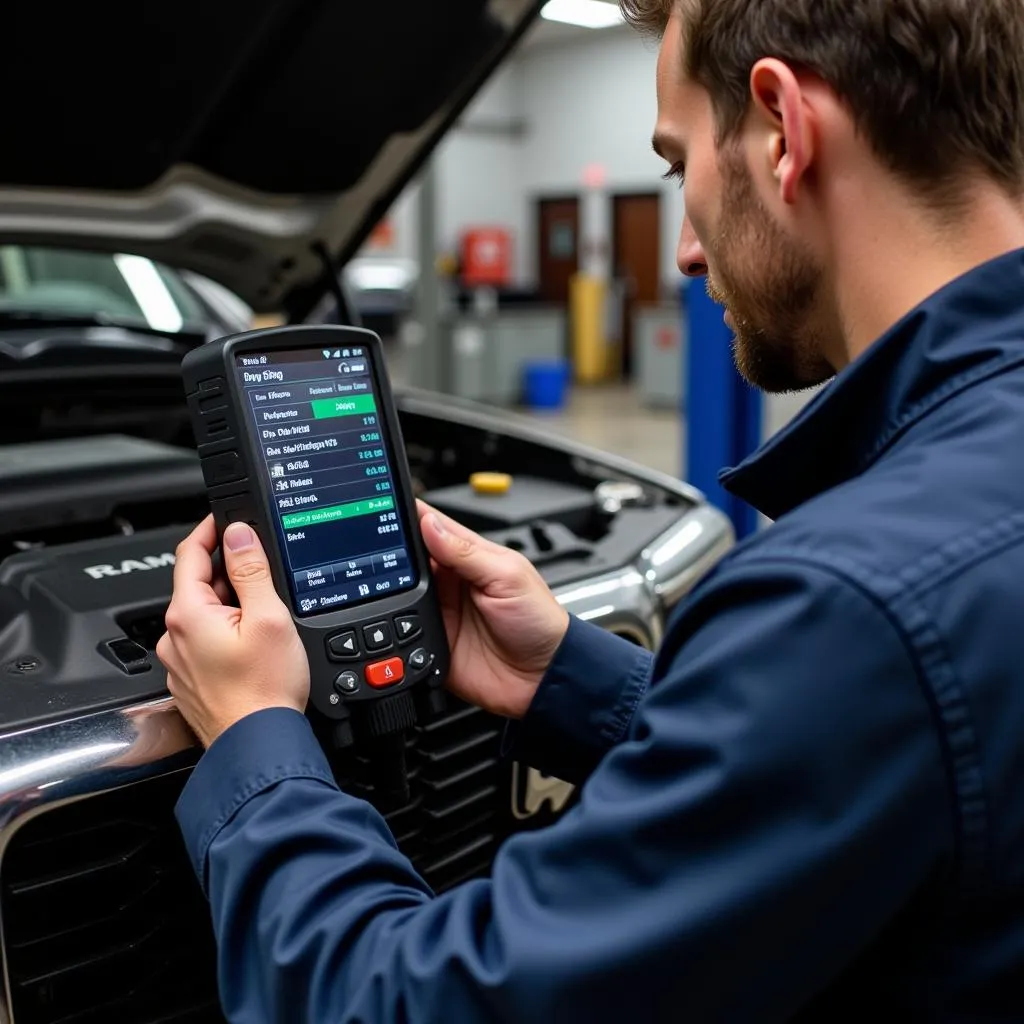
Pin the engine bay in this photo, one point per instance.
(89, 527)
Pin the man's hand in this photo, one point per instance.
(225, 663)
(503, 623)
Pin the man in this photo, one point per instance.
(810, 804)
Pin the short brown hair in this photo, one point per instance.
(936, 86)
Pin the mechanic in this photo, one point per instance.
(810, 803)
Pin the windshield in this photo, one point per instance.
(113, 287)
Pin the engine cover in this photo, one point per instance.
(47, 485)
(78, 623)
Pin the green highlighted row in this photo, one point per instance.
(357, 405)
(296, 520)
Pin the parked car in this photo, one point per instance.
(256, 153)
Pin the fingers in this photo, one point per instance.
(222, 589)
(249, 572)
(166, 653)
(449, 586)
(466, 553)
(193, 567)
(424, 509)
(221, 585)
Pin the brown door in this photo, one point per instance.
(558, 231)
(637, 255)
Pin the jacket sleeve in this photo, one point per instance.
(584, 704)
(778, 797)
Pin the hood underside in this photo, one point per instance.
(234, 139)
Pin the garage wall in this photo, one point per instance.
(404, 222)
(541, 120)
(593, 102)
(480, 167)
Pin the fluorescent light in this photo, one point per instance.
(585, 13)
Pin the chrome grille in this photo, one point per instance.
(103, 920)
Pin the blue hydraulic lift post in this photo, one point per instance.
(723, 412)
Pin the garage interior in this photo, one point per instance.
(553, 290)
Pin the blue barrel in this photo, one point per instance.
(545, 384)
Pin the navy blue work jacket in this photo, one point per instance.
(808, 806)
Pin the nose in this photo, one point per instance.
(690, 256)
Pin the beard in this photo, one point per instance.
(771, 286)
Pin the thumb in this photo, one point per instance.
(249, 572)
(464, 552)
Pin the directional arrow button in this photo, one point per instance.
(344, 647)
(407, 627)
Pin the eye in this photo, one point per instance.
(677, 172)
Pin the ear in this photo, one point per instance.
(780, 107)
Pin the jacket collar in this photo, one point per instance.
(967, 331)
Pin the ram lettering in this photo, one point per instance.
(147, 562)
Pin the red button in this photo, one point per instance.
(385, 673)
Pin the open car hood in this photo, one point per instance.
(234, 138)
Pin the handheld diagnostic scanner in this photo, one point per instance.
(299, 437)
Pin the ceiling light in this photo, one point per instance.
(585, 13)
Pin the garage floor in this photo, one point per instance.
(608, 418)
(613, 419)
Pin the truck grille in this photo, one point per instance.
(103, 920)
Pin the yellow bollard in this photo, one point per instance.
(589, 344)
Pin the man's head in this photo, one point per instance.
(789, 117)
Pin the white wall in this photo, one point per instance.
(479, 176)
(404, 223)
(480, 168)
(594, 102)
